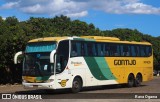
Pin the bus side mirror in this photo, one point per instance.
(16, 57)
(52, 56)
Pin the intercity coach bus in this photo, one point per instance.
(76, 62)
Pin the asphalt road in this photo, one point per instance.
(146, 92)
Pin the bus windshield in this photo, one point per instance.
(37, 59)
(37, 64)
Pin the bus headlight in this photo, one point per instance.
(49, 80)
(24, 81)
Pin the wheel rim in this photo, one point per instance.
(76, 85)
(138, 79)
(131, 81)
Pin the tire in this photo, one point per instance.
(130, 81)
(76, 85)
(138, 80)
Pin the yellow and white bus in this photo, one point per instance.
(76, 62)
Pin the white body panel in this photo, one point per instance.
(76, 67)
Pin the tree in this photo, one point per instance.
(15, 34)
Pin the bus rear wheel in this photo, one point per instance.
(76, 85)
(138, 80)
(130, 80)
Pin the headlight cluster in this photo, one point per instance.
(47, 81)
(25, 81)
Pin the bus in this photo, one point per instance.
(77, 62)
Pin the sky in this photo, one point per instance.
(143, 15)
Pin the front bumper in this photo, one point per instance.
(39, 85)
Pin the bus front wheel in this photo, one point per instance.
(76, 85)
(130, 80)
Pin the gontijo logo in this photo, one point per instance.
(124, 62)
(63, 82)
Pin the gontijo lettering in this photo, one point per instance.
(124, 62)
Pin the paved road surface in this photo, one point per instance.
(110, 93)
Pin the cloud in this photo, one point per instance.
(79, 14)
(80, 8)
(9, 5)
(140, 8)
(125, 7)
(35, 9)
(56, 7)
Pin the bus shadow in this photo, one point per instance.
(107, 87)
(44, 91)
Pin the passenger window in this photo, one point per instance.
(94, 49)
(75, 49)
(114, 50)
(100, 49)
(85, 49)
(78, 45)
(126, 50)
(97, 49)
(133, 51)
(90, 49)
(143, 51)
(148, 50)
(137, 50)
(107, 49)
(82, 49)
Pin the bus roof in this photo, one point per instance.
(113, 40)
(101, 38)
(48, 39)
(89, 38)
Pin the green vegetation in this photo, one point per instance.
(14, 35)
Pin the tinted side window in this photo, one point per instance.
(80, 48)
(133, 51)
(106, 49)
(148, 50)
(94, 50)
(63, 48)
(137, 50)
(73, 49)
(62, 55)
(143, 50)
(100, 49)
(89, 49)
(126, 50)
(114, 50)
(76, 49)
(85, 49)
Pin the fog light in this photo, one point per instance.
(49, 80)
